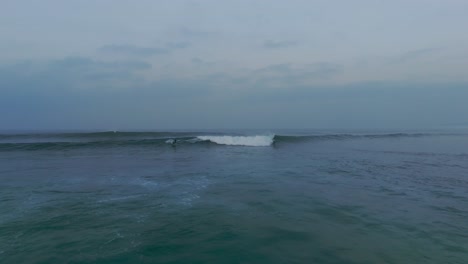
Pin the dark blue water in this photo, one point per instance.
(291, 197)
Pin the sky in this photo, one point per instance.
(210, 64)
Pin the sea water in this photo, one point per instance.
(234, 197)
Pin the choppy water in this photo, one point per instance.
(303, 197)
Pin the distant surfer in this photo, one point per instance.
(174, 142)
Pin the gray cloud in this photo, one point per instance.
(83, 63)
(88, 72)
(197, 60)
(178, 45)
(273, 76)
(271, 44)
(85, 93)
(206, 64)
(196, 33)
(415, 55)
(229, 82)
(132, 50)
(295, 74)
(70, 73)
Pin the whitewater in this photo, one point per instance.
(253, 141)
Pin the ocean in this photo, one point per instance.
(291, 196)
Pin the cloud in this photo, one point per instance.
(271, 44)
(87, 64)
(132, 50)
(197, 60)
(178, 45)
(295, 74)
(273, 76)
(79, 92)
(414, 55)
(207, 64)
(71, 73)
(89, 72)
(84, 93)
(285, 75)
(195, 33)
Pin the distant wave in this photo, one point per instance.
(280, 138)
(75, 145)
(98, 135)
(31, 142)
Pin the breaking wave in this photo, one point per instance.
(31, 142)
(253, 141)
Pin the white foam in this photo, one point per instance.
(254, 141)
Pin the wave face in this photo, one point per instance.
(252, 141)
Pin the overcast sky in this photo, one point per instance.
(128, 65)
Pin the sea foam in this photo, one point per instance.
(254, 141)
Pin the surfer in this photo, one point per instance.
(174, 142)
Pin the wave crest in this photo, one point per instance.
(253, 141)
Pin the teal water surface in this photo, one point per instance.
(287, 198)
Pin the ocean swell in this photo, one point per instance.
(33, 142)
